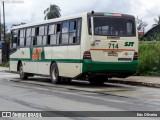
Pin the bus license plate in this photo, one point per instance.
(112, 53)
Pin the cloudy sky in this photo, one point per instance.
(27, 11)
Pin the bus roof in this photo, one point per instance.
(49, 21)
(70, 17)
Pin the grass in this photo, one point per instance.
(149, 58)
(5, 64)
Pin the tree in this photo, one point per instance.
(157, 21)
(141, 25)
(52, 12)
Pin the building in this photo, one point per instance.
(150, 34)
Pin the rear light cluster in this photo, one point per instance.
(135, 56)
(87, 55)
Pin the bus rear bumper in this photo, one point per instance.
(110, 69)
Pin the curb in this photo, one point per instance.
(8, 71)
(136, 83)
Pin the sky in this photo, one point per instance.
(28, 11)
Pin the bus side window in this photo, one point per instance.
(58, 33)
(21, 38)
(44, 41)
(78, 31)
(14, 43)
(28, 37)
(52, 35)
(14, 34)
(33, 33)
(37, 31)
(72, 32)
(18, 40)
(34, 41)
(40, 33)
(65, 30)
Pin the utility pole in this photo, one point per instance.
(0, 25)
(4, 24)
(0, 37)
(5, 44)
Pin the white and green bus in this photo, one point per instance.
(89, 46)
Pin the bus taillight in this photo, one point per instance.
(87, 55)
(135, 56)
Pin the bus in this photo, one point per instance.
(91, 46)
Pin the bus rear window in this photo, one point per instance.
(112, 26)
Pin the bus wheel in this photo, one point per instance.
(98, 80)
(22, 74)
(54, 73)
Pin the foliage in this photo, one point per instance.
(140, 37)
(154, 37)
(9, 37)
(157, 21)
(149, 58)
(141, 24)
(5, 64)
(2, 28)
(52, 12)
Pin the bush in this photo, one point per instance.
(5, 64)
(149, 58)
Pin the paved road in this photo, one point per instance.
(37, 94)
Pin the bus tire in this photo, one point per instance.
(54, 73)
(23, 75)
(98, 80)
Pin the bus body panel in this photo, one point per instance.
(70, 71)
(74, 60)
(44, 65)
(103, 51)
(30, 66)
(48, 52)
(118, 67)
(13, 65)
(69, 58)
(43, 68)
(111, 54)
(21, 53)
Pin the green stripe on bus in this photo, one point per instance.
(48, 60)
(91, 66)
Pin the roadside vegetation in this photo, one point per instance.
(5, 64)
(149, 57)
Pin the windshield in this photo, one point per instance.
(111, 26)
